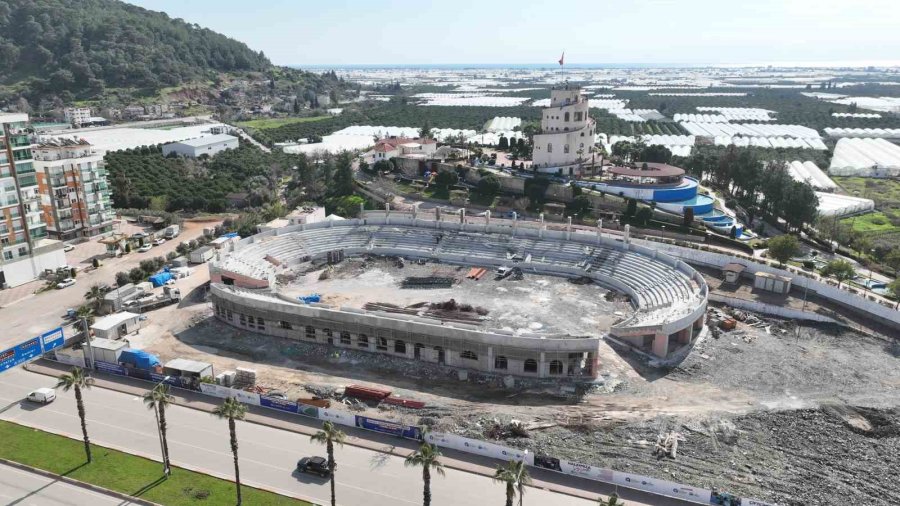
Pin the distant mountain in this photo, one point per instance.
(79, 48)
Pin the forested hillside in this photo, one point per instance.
(82, 47)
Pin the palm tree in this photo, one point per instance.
(94, 296)
(509, 476)
(427, 456)
(329, 435)
(158, 399)
(85, 312)
(77, 380)
(612, 501)
(233, 410)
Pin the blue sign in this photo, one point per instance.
(392, 428)
(31, 349)
(110, 368)
(280, 404)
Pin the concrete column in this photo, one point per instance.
(599, 231)
(542, 366)
(684, 336)
(515, 217)
(362, 209)
(661, 345)
(415, 211)
(437, 217)
(462, 216)
(627, 236)
(568, 228)
(387, 213)
(487, 217)
(490, 359)
(541, 229)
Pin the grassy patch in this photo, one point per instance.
(871, 223)
(123, 472)
(263, 124)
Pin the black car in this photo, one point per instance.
(314, 465)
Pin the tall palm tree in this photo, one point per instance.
(233, 410)
(158, 399)
(329, 435)
(78, 380)
(85, 312)
(94, 296)
(515, 476)
(428, 456)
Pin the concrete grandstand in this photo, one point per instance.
(667, 297)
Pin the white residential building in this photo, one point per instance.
(566, 141)
(77, 115)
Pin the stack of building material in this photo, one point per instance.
(244, 378)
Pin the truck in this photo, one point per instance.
(171, 231)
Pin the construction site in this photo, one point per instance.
(786, 411)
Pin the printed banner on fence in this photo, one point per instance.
(754, 502)
(64, 358)
(216, 390)
(386, 427)
(110, 368)
(336, 416)
(279, 404)
(475, 446)
(246, 397)
(662, 487)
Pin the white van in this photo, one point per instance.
(42, 395)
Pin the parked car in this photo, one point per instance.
(42, 395)
(65, 283)
(314, 465)
(68, 247)
(138, 235)
(145, 248)
(159, 242)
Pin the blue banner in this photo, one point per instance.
(110, 368)
(392, 428)
(279, 404)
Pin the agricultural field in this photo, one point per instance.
(882, 226)
(267, 123)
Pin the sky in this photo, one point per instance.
(344, 32)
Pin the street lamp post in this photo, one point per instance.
(162, 446)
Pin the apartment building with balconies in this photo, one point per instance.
(74, 190)
(25, 249)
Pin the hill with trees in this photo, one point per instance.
(78, 49)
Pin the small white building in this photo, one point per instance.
(210, 145)
(116, 326)
(202, 255)
(772, 282)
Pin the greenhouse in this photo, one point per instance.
(502, 124)
(831, 204)
(854, 156)
(809, 172)
(886, 133)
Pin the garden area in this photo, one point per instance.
(881, 227)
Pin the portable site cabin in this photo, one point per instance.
(772, 283)
(192, 370)
(116, 326)
(106, 350)
(733, 272)
(202, 255)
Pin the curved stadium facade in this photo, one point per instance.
(668, 297)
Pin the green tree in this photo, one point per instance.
(122, 278)
(580, 206)
(892, 259)
(158, 399)
(841, 270)
(94, 296)
(643, 216)
(514, 476)
(427, 457)
(77, 380)
(445, 179)
(894, 289)
(688, 216)
(630, 208)
(489, 185)
(342, 182)
(783, 248)
(613, 500)
(329, 436)
(232, 410)
(503, 143)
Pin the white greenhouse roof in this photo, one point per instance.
(865, 157)
(810, 173)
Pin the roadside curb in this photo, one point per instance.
(77, 483)
(261, 418)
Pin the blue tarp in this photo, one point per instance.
(160, 279)
(230, 235)
(310, 299)
(138, 358)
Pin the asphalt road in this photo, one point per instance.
(24, 488)
(267, 455)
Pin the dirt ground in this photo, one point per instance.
(795, 416)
